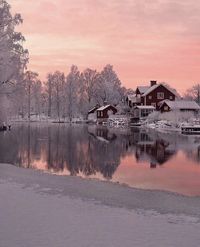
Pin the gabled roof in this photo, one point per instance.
(102, 108)
(132, 98)
(143, 89)
(182, 104)
(156, 86)
(93, 110)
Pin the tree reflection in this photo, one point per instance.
(86, 150)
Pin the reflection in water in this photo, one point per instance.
(91, 150)
(57, 148)
(151, 149)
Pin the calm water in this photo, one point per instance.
(139, 158)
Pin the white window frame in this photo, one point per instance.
(160, 95)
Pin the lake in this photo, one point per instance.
(139, 158)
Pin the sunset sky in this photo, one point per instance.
(142, 39)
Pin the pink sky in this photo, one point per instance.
(142, 39)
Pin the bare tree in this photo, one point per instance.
(193, 93)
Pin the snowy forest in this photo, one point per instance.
(63, 95)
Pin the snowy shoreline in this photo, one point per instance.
(39, 209)
(105, 192)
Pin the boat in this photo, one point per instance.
(191, 130)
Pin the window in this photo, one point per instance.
(150, 97)
(160, 95)
(145, 112)
(171, 97)
(166, 108)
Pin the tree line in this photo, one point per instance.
(61, 95)
(66, 96)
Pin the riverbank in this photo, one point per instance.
(39, 209)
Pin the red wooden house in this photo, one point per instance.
(104, 112)
(153, 94)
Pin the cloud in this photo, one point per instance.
(142, 38)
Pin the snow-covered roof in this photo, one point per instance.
(132, 97)
(155, 86)
(102, 108)
(182, 104)
(143, 89)
(92, 110)
(145, 107)
(150, 89)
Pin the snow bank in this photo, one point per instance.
(39, 209)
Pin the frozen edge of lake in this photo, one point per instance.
(106, 193)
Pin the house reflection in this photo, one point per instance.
(85, 150)
(151, 150)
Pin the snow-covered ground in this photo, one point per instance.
(39, 210)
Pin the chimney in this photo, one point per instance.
(152, 83)
(105, 103)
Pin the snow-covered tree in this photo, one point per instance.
(37, 97)
(110, 86)
(13, 57)
(58, 93)
(90, 80)
(30, 80)
(49, 88)
(72, 91)
(89, 87)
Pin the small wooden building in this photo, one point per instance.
(179, 105)
(104, 112)
(142, 111)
